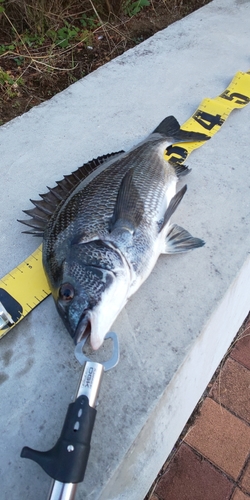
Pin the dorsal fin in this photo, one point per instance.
(45, 207)
(180, 170)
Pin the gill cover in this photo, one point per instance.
(92, 278)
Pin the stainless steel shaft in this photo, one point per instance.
(89, 386)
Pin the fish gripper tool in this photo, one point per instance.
(66, 462)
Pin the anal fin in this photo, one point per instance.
(179, 240)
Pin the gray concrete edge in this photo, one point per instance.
(140, 466)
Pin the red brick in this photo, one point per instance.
(232, 388)
(221, 437)
(239, 495)
(245, 480)
(191, 477)
(241, 351)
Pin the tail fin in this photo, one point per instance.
(170, 127)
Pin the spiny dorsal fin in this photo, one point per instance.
(45, 207)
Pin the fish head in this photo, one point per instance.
(91, 291)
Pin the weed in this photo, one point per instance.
(133, 8)
(19, 60)
(66, 34)
(10, 84)
(5, 78)
(45, 45)
(90, 22)
(6, 48)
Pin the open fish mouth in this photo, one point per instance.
(83, 329)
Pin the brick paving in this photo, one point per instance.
(212, 460)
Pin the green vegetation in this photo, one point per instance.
(46, 34)
(133, 8)
(37, 29)
(45, 45)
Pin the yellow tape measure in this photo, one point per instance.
(26, 286)
(22, 290)
(211, 114)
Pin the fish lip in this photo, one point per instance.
(83, 329)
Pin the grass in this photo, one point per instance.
(45, 45)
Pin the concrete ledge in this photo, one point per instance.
(178, 326)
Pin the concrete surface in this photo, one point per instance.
(177, 327)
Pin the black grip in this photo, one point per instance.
(67, 460)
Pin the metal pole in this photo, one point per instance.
(62, 491)
(89, 386)
(66, 462)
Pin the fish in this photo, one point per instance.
(104, 227)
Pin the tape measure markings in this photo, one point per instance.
(27, 283)
(211, 114)
(23, 289)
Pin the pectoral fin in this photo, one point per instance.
(179, 240)
(174, 202)
(129, 207)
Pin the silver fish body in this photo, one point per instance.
(104, 237)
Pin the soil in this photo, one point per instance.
(35, 74)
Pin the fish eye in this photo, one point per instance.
(66, 292)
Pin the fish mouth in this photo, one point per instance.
(87, 329)
(83, 329)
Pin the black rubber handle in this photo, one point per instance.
(67, 460)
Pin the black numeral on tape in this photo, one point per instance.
(206, 120)
(239, 98)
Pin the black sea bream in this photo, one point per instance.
(104, 227)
